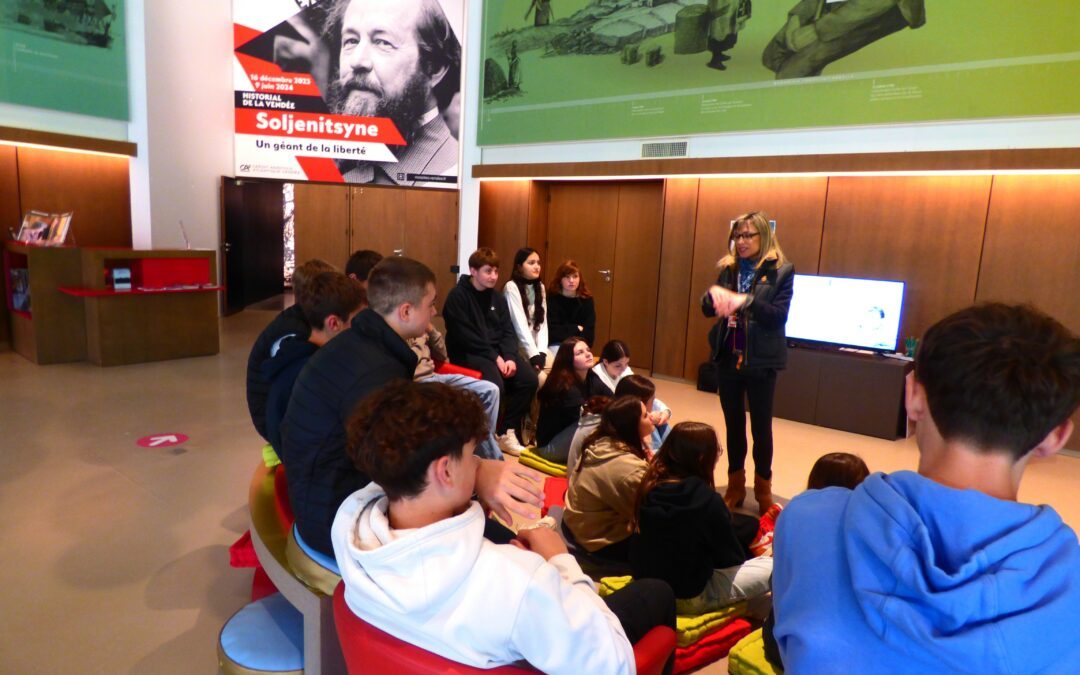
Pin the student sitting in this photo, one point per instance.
(289, 323)
(480, 335)
(571, 309)
(415, 563)
(527, 301)
(430, 350)
(643, 388)
(685, 532)
(329, 302)
(837, 469)
(603, 485)
(361, 263)
(561, 399)
(943, 570)
(371, 354)
(614, 365)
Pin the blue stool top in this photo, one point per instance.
(266, 635)
(324, 560)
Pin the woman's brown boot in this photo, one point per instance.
(763, 494)
(736, 489)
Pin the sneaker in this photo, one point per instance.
(510, 444)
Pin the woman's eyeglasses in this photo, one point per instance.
(745, 236)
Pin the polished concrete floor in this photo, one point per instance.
(114, 557)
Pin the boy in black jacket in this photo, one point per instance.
(329, 303)
(480, 335)
(373, 352)
(289, 323)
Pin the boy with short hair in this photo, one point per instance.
(329, 302)
(361, 263)
(367, 356)
(415, 564)
(480, 335)
(943, 570)
(290, 322)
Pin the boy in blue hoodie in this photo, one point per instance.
(943, 570)
(328, 304)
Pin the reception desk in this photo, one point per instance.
(170, 310)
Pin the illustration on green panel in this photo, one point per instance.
(65, 55)
(559, 70)
(818, 32)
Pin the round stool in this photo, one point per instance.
(266, 636)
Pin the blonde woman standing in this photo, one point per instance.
(750, 299)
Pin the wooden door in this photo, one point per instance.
(431, 228)
(636, 272)
(582, 226)
(321, 223)
(378, 217)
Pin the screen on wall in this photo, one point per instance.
(67, 55)
(355, 91)
(861, 313)
(565, 70)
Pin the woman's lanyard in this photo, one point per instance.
(744, 282)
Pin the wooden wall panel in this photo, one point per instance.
(321, 223)
(95, 187)
(10, 217)
(582, 226)
(676, 265)
(924, 230)
(797, 205)
(504, 217)
(431, 233)
(637, 269)
(377, 217)
(1025, 210)
(538, 229)
(1032, 248)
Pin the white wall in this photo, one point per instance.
(189, 119)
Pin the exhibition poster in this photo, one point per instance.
(354, 91)
(566, 70)
(67, 55)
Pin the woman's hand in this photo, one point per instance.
(509, 487)
(726, 302)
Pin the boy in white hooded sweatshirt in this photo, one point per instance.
(415, 563)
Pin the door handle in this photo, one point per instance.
(399, 252)
(605, 275)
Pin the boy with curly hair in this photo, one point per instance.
(416, 565)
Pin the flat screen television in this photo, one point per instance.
(862, 313)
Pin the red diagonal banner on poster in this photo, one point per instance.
(317, 126)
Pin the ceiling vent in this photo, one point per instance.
(666, 149)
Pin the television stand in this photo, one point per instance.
(860, 393)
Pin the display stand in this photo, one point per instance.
(170, 312)
(860, 393)
(53, 330)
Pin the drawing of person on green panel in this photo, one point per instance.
(819, 32)
(727, 18)
(544, 13)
